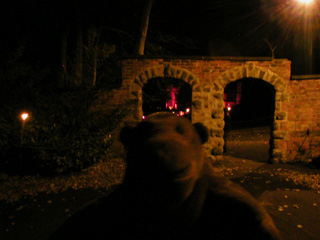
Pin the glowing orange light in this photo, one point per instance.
(229, 108)
(187, 110)
(24, 116)
(181, 113)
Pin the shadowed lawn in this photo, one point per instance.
(32, 207)
(37, 217)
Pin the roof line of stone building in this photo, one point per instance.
(230, 58)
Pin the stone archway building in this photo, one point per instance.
(208, 78)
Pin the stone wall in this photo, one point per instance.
(208, 78)
(304, 120)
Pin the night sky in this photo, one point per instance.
(177, 27)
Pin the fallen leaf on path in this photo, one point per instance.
(280, 208)
(19, 208)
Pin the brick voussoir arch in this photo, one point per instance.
(250, 70)
(166, 70)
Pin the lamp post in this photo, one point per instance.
(24, 116)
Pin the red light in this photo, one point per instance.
(172, 101)
(181, 113)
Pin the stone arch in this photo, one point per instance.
(251, 70)
(166, 70)
(163, 70)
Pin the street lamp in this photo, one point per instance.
(302, 17)
(24, 116)
(305, 1)
(300, 24)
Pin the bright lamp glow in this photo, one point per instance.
(305, 1)
(24, 116)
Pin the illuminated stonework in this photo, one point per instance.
(294, 114)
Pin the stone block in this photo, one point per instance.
(218, 87)
(279, 144)
(143, 78)
(238, 72)
(216, 132)
(244, 72)
(279, 86)
(261, 74)
(184, 75)
(217, 113)
(278, 134)
(272, 79)
(278, 105)
(281, 115)
(192, 80)
(276, 125)
(206, 88)
(232, 75)
(196, 87)
(135, 93)
(217, 150)
(197, 104)
(218, 96)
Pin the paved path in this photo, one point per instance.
(294, 207)
(297, 214)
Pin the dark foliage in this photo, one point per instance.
(64, 132)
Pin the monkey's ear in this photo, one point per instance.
(127, 135)
(202, 131)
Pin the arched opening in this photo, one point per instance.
(249, 117)
(167, 95)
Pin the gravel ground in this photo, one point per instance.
(252, 143)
